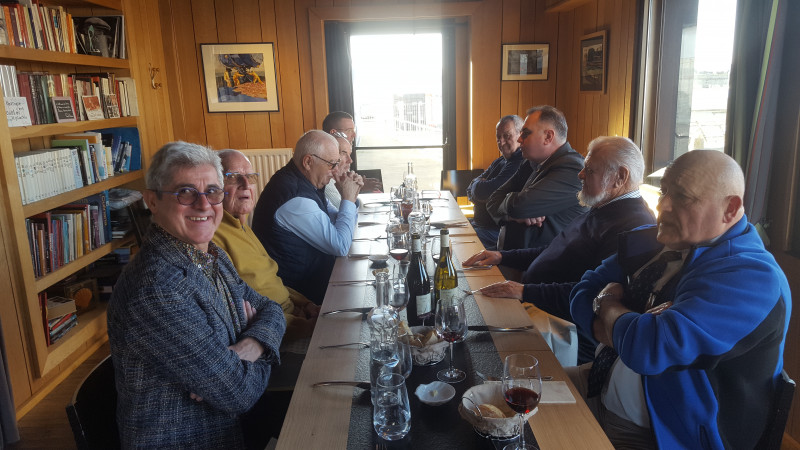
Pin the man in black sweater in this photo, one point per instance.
(612, 173)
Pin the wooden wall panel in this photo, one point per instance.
(482, 96)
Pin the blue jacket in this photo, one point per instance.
(710, 362)
(479, 189)
(301, 266)
(169, 332)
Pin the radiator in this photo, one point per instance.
(266, 161)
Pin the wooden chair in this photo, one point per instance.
(773, 435)
(92, 412)
(457, 181)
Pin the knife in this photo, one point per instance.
(499, 329)
(468, 268)
(359, 384)
(355, 310)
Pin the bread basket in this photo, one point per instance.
(490, 393)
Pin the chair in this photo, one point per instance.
(456, 181)
(773, 434)
(371, 173)
(92, 412)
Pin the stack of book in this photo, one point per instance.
(77, 160)
(63, 97)
(26, 23)
(61, 235)
(60, 317)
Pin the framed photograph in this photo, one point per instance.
(240, 77)
(593, 62)
(525, 62)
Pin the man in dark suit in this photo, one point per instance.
(539, 200)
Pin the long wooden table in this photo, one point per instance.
(320, 418)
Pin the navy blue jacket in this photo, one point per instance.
(301, 266)
(479, 190)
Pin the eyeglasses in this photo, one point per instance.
(187, 196)
(236, 178)
(332, 164)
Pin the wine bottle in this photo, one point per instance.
(419, 303)
(445, 279)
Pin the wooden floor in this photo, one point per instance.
(46, 425)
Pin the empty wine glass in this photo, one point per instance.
(451, 325)
(427, 209)
(522, 390)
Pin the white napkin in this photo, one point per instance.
(556, 392)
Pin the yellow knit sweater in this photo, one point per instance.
(260, 271)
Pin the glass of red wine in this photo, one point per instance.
(451, 325)
(522, 390)
(398, 249)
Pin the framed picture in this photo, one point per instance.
(593, 62)
(240, 77)
(525, 61)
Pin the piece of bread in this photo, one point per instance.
(491, 411)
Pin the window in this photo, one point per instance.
(688, 50)
(398, 103)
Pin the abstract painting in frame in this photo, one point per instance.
(593, 62)
(525, 62)
(240, 77)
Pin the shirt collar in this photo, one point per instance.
(631, 194)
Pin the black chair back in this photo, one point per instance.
(456, 181)
(93, 410)
(372, 173)
(773, 435)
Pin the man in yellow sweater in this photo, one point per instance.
(249, 257)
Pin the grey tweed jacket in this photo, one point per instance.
(169, 332)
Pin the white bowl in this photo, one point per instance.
(436, 393)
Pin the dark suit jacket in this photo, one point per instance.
(550, 191)
(479, 190)
(552, 271)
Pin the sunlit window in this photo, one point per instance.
(690, 88)
(397, 92)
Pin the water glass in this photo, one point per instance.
(391, 414)
(385, 357)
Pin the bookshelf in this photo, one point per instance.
(44, 360)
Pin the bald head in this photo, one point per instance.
(314, 153)
(715, 171)
(702, 195)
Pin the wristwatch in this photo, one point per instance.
(598, 301)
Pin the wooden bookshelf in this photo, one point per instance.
(17, 54)
(49, 129)
(66, 270)
(14, 141)
(54, 202)
(90, 324)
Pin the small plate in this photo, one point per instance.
(436, 393)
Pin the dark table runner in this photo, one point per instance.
(435, 427)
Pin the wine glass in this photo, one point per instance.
(451, 325)
(398, 249)
(427, 210)
(522, 390)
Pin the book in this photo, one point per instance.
(87, 170)
(63, 109)
(59, 306)
(133, 155)
(91, 104)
